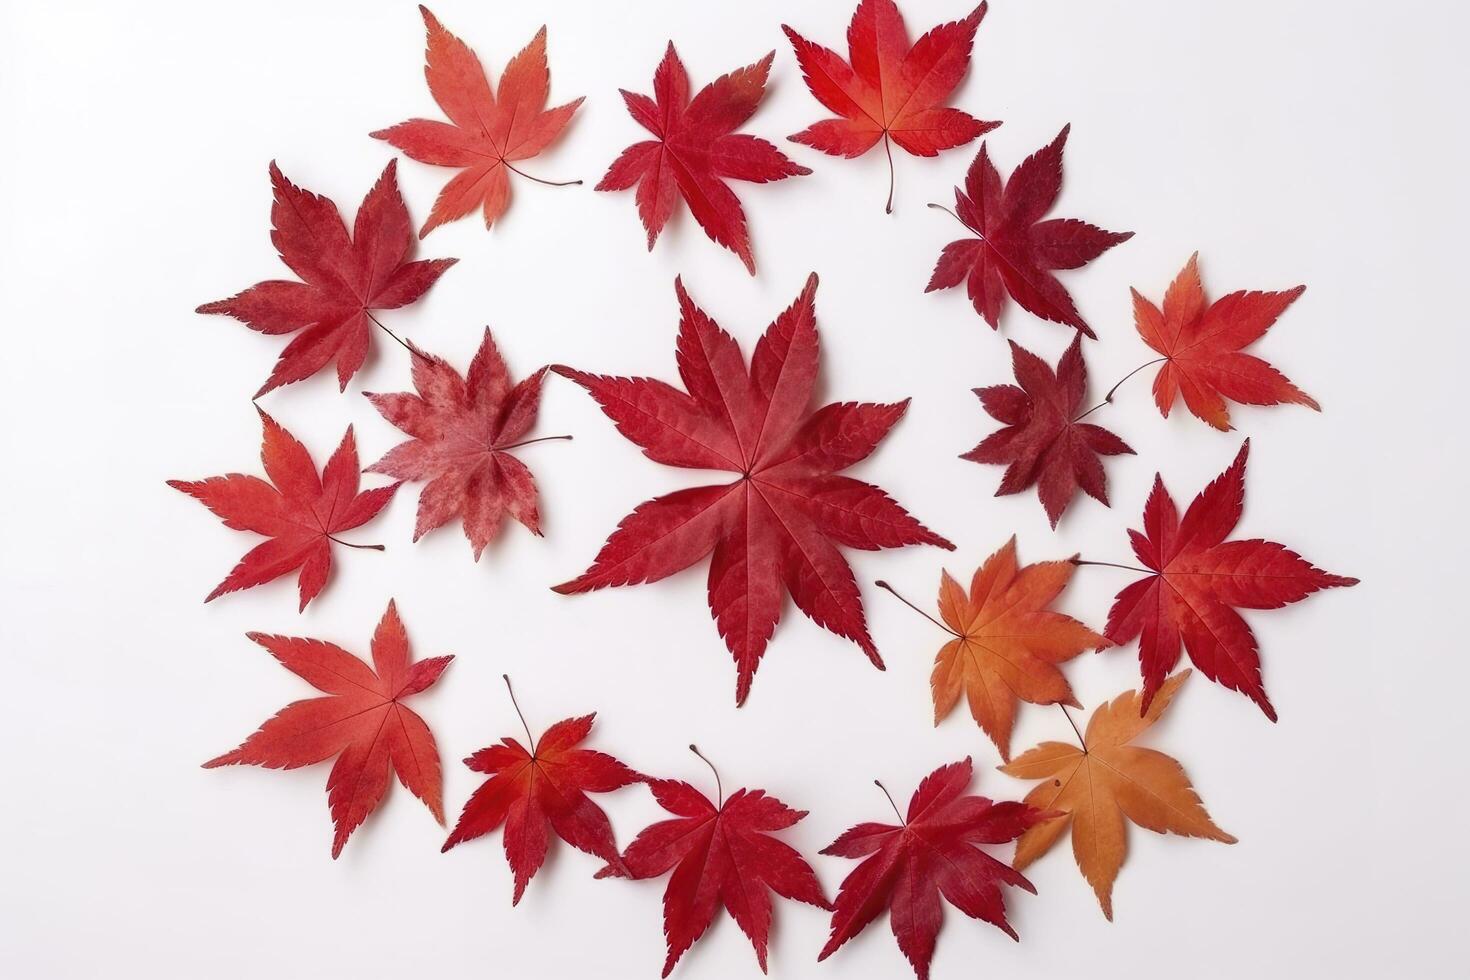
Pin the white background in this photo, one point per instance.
(1288, 142)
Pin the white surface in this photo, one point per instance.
(1289, 142)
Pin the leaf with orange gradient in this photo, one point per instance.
(1107, 780)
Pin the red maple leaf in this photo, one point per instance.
(721, 854)
(1014, 251)
(362, 721)
(297, 511)
(697, 150)
(1202, 348)
(545, 787)
(463, 429)
(1198, 580)
(775, 529)
(343, 278)
(487, 129)
(889, 89)
(931, 853)
(1044, 444)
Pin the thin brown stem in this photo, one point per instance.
(1080, 740)
(548, 183)
(888, 208)
(513, 703)
(527, 442)
(1109, 564)
(941, 207)
(891, 803)
(1108, 398)
(401, 342)
(361, 547)
(894, 592)
(719, 788)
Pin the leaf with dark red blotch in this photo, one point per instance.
(1044, 444)
(362, 721)
(344, 278)
(297, 511)
(1198, 581)
(777, 528)
(933, 853)
(1202, 344)
(696, 150)
(1014, 252)
(463, 429)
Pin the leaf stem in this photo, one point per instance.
(401, 342)
(1109, 564)
(527, 442)
(1081, 741)
(888, 208)
(894, 592)
(719, 788)
(361, 547)
(514, 704)
(896, 813)
(549, 183)
(1108, 398)
(941, 207)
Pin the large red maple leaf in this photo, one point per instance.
(932, 853)
(1043, 443)
(1198, 580)
(344, 278)
(299, 512)
(362, 721)
(889, 89)
(1014, 252)
(487, 130)
(463, 429)
(696, 150)
(775, 529)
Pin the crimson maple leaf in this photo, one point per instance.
(888, 89)
(344, 278)
(487, 129)
(697, 150)
(931, 853)
(1202, 348)
(299, 512)
(775, 529)
(362, 721)
(1043, 443)
(463, 429)
(1014, 251)
(1198, 580)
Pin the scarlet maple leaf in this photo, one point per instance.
(463, 429)
(697, 150)
(547, 786)
(487, 129)
(298, 511)
(1095, 787)
(932, 853)
(1202, 348)
(362, 721)
(776, 528)
(720, 853)
(1199, 579)
(344, 278)
(888, 88)
(1014, 251)
(1044, 443)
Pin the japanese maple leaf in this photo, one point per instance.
(298, 512)
(931, 853)
(487, 130)
(463, 429)
(1198, 579)
(362, 721)
(889, 89)
(1044, 443)
(545, 787)
(721, 853)
(1015, 252)
(1007, 643)
(696, 150)
(343, 278)
(1103, 784)
(776, 529)
(1202, 348)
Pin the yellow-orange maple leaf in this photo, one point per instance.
(1096, 786)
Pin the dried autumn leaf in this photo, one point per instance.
(1198, 580)
(1097, 786)
(696, 150)
(1045, 444)
(463, 429)
(343, 278)
(299, 512)
(777, 527)
(1202, 348)
(1014, 252)
(487, 130)
(362, 721)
